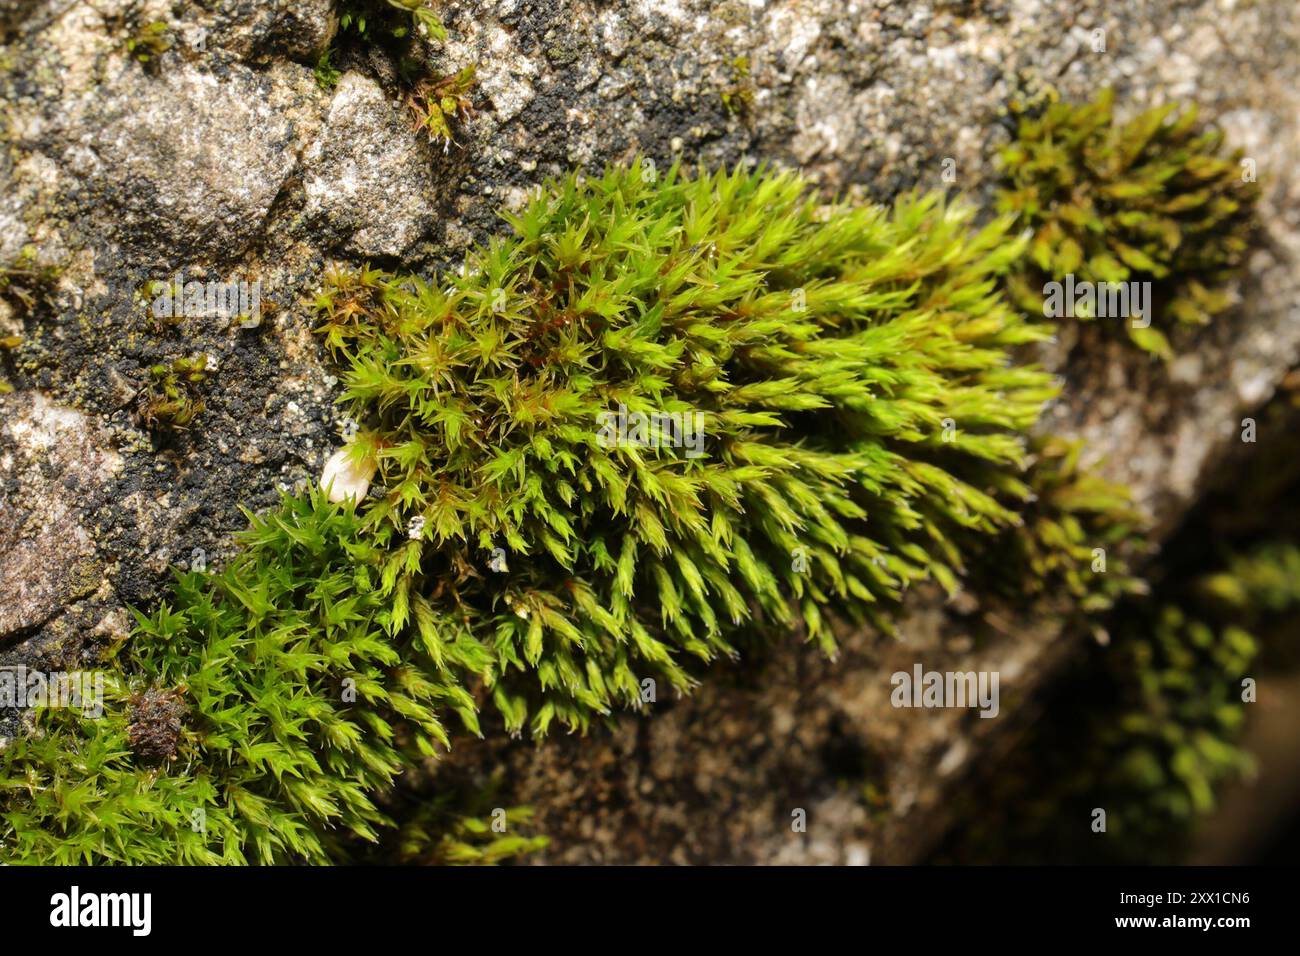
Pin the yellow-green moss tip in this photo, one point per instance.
(1157, 200)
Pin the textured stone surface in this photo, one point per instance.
(182, 161)
(53, 459)
(366, 158)
(226, 159)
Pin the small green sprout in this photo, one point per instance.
(327, 77)
(149, 41)
(440, 104)
(171, 398)
(361, 16)
(738, 95)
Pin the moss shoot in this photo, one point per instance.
(1158, 199)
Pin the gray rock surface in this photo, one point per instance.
(364, 152)
(225, 158)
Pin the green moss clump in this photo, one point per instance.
(844, 374)
(456, 839)
(738, 95)
(438, 105)
(463, 825)
(172, 397)
(1156, 199)
(298, 708)
(851, 423)
(1265, 580)
(148, 42)
(1077, 538)
(1146, 730)
(327, 76)
(1173, 742)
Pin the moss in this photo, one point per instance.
(257, 717)
(463, 824)
(8, 344)
(862, 429)
(399, 28)
(1172, 742)
(438, 106)
(327, 77)
(738, 95)
(828, 363)
(1076, 543)
(1146, 726)
(172, 399)
(149, 41)
(1157, 199)
(300, 709)
(402, 30)
(26, 283)
(391, 18)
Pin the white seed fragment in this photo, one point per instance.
(344, 478)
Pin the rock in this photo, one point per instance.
(300, 29)
(183, 164)
(370, 184)
(52, 458)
